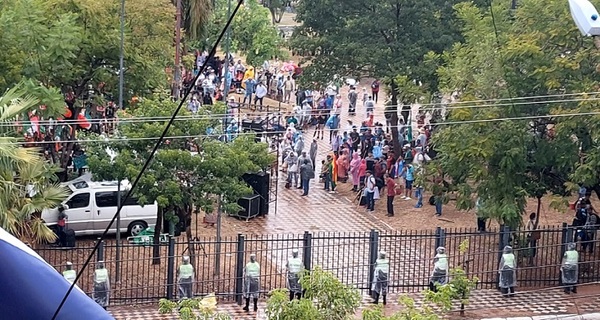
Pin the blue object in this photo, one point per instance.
(594, 17)
(32, 290)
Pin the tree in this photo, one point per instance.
(190, 172)
(504, 162)
(195, 16)
(379, 39)
(27, 182)
(325, 297)
(68, 44)
(252, 33)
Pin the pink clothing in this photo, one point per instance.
(362, 171)
(355, 168)
(342, 166)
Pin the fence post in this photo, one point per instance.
(100, 252)
(239, 268)
(567, 236)
(307, 251)
(373, 250)
(502, 241)
(170, 267)
(440, 237)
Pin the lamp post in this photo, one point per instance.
(121, 84)
(586, 18)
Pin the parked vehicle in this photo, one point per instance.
(92, 205)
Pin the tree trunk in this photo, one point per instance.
(394, 120)
(156, 240)
(537, 212)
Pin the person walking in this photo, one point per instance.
(390, 185)
(569, 269)
(313, 153)
(306, 174)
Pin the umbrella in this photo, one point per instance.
(32, 289)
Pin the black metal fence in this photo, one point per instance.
(349, 256)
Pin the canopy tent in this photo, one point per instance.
(32, 289)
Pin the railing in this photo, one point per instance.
(349, 256)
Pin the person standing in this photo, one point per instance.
(352, 99)
(370, 106)
(370, 186)
(409, 177)
(481, 219)
(261, 92)
(69, 274)
(375, 89)
(251, 286)
(185, 279)
(306, 174)
(569, 269)
(62, 226)
(439, 276)
(292, 168)
(288, 88)
(508, 272)
(390, 185)
(294, 268)
(250, 86)
(101, 285)
(381, 278)
(313, 153)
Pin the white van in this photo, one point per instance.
(92, 205)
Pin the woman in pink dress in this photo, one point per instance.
(362, 172)
(354, 170)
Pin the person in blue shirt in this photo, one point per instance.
(250, 86)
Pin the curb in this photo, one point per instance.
(589, 316)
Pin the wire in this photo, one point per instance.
(148, 161)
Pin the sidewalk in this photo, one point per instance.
(484, 304)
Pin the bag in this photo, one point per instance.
(311, 175)
(376, 193)
(70, 238)
(399, 191)
(294, 168)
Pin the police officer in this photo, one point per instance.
(381, 278)
(569, 269)
(69, 273)
(185, 278)
(294, 268)
(101, 285)
(508, 272)
(439, 275)
(251, 282)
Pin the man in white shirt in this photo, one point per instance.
(261, 92)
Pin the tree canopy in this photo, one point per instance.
(252, 32)
(506, 150)
(192, 170)
(65, 44)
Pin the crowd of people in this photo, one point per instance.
(362, 152)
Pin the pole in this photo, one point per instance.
(218, 246)
(177, 76)
(227, 53)
(118, 257)
(121, 56)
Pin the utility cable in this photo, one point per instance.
(148, 161)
